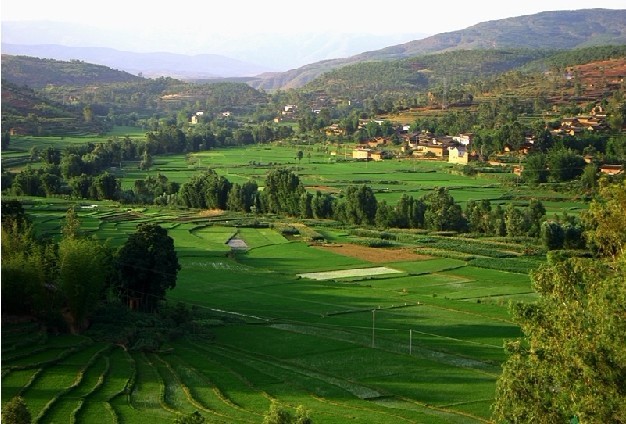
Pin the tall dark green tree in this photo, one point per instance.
(84, 266)
(442, 212)
(564, 165)
(605, 220)
(24, 271)
(359, 205)
(322, 205)
(6, 140)
(552, 235)
(385, 215)
(206, 191)
(148, 267)
(282, 192)
(479, 216)
(534, 213)
(535, 169)
(106, 186)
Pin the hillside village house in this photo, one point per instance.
(287, 114)
(361, 153)
(459, 154)
(460, 151)
(427, 143)
(333, 129)
(524, 149)
(595, 121)
(611, 169)
(196, 116)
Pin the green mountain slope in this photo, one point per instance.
(545, 30)
(39, 73)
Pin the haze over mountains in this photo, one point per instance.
(207, 55)
(548, 30)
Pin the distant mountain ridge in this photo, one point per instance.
(255, 53)
(546, 30)
(147, 64)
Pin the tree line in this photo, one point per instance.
(283, 193)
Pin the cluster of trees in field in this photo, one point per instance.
(62, 281)
(283, 193)
(82, 171)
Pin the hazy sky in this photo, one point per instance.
(257, 16)
(252, 30)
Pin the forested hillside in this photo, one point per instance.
(38, 73)
(31, 112)
(462, 73)
(546, 30)
(79, 97)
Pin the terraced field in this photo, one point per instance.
(423, 345)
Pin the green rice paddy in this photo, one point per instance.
(420, 346)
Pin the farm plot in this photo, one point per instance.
(350, 273)
(296, 257)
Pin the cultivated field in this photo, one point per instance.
(422, 344)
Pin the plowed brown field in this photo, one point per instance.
(374, 254)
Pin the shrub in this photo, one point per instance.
(16, 412)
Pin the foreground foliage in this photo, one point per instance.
(572, 364)
(16, 412)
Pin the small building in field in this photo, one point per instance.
(376, 155)
(362, 154)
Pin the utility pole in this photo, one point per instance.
(410, 342)
(373, 327)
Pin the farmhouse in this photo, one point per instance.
(196, 117)
(460, 150)
(464, 138)
(459, 154)
(333, 129)
(376, 155)
(362, 153)
(611, 169)
(377, 141)
(437, 146)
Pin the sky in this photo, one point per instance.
(277, 35)
(258, 16)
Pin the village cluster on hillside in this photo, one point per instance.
(460, 149)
